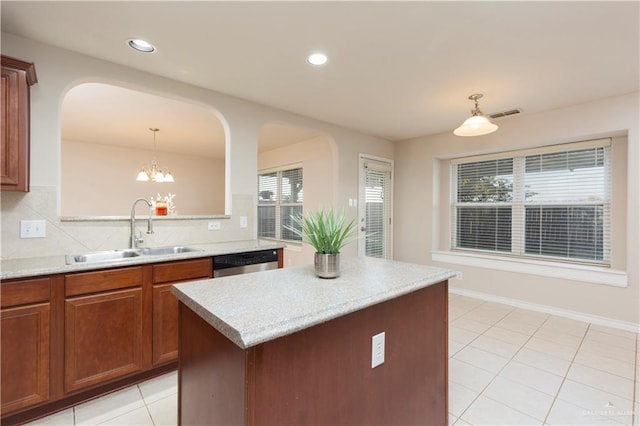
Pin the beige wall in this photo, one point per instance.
(316, 157)
(422, 197)
(59, 70)
(90, 187)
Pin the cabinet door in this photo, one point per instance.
(165, 304)
(103, 337)
(25, 356)
(17, 76)
(165, 325)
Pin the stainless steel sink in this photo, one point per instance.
(158, 251)
(103, 256)
(115, 255)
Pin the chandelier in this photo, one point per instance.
(154, 172)
(476, 125)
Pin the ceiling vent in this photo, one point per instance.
(504, 113)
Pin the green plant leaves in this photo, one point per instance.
(326, 230)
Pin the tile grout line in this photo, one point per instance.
(564, 378)
(573, 361)
(513, 359)
(505, 366)
(146, 406)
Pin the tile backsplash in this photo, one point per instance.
(78, 236)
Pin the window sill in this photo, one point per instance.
(567, 271)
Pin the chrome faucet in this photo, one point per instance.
(135, 240)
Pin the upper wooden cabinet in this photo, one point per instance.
(17, 77)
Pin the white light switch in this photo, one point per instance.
(33, 229)
(377, 350)
(243, 221)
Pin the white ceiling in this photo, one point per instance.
(396, 69)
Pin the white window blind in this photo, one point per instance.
(377, 187)
(280, 196)
(550, 203)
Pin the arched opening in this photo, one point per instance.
(106, 141)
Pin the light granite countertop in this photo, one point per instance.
(47, 265)
(255, 308)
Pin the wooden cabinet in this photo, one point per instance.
(69, 337)
(103, 326)
(17, 77)
(165, 304)
(25, 336)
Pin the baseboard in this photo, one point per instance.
(579, 316)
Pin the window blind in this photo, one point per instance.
(377, 188)
(280, 196)
(550, 205)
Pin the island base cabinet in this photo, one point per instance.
(323, 374)
(25, 356)
(103, 337)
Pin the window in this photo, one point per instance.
(280, 196)
(550, 203)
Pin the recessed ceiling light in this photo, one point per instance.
(141, 45)
(317, 59)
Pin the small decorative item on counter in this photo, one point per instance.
(164, 205)
(161, 208)
(327, 231)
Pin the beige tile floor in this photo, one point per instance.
(507, 366)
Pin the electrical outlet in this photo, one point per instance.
(33, 229)
(458, 275)
(243, 221)
(377, 350)
(213, 226)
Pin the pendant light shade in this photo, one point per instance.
(154, 172)
(476, 125)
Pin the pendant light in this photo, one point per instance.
(476, 125)
(154, 172)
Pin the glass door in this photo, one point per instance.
(375, 202)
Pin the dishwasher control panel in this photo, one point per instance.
(243, 263)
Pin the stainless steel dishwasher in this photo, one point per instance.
(243, 263)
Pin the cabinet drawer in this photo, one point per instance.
(24, 291)
(182, 270)
(97, 281)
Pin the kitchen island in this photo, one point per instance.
(284, 347)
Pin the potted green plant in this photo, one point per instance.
(327, 231)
